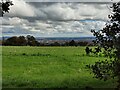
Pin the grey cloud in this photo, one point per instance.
(54, 19)
(14, 30)
(50, 27)
(73, 11)
(70, 0)
(21, 8)
(58, 11)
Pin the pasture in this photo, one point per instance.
(49, 67)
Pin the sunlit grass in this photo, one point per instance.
(49, 67)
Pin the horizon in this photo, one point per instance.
(54, 38)
(50, 37)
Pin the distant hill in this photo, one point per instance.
(88, 39)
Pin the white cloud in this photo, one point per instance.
(77, 27)
(21, 8)
(22, 26)
(66, 19)
(73, 11)
(59, 11)
(17, 21)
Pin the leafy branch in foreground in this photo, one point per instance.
(5, 6)
(108, 39)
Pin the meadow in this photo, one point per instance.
(49, 67)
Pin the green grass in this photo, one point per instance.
(49, 67)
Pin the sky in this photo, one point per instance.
(51, 18)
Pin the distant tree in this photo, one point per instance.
(72, 43)
(82, 43)
(4, 6)
(22, 41)
(109, 39)
(31, 40)
(66, 44)
(37, 43)
(56, 44)
(12, 41)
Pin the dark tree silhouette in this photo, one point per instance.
(31, 40)
(87, 50)
(109, 39)
(13, 41)
(21, 41)
(72, 43)
(4, 7)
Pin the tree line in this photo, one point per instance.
(20, 41)
(31, 41)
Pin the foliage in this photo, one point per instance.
(21, 41)
(5, 6)
(72, 43)
(31, 41)
(109, 39)
(88, 50)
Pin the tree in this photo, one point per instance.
(82, 43)
(16, 41)
(55, 44)
(4, 7)
(72, 43)
(31, 41)
(13, 41)
(22, 41)
(109, 39)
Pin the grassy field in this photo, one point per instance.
(49, 67)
